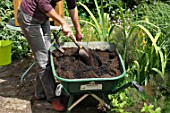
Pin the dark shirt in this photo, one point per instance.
(39, 8)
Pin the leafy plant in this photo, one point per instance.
(150, 109)
(159, 14)
(19, 47)
(151, 57)
(119, 101)
(141, 46)
(139, 41)
(101, 24)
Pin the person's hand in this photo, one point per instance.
(66, 30)
(79, 36)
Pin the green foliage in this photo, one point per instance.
(89, 32)
(19, 47)
(155, 52)
(119, 101)
(150, 57)
(150, 109)
(141, 43)
(140, 32)
(91, 5)
(101, 23)
(159, 14)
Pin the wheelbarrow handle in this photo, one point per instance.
(132, 83)
(137, 86)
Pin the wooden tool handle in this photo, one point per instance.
(73, 38)
(56, 38)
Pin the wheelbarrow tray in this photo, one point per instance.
(89, 85)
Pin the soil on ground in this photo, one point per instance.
(15, 94)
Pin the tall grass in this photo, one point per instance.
(141, 48)
(101, 23)
(138, 39)
(159, 14)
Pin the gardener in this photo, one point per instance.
(33, 17)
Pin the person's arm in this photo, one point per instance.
(65, 27)
(46, 8)
(73, 11)
(56, 17)
(75, 19)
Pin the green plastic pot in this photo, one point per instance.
(5, 52)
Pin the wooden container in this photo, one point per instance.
(59, 9)
(16, 4)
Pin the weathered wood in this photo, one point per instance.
(59, 9)
(16, 4)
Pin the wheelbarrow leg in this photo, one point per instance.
(105, 97)
(70, 107)
(100, 100)
(70, 102)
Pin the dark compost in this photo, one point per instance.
(70, 65)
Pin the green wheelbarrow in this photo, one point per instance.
(91, 86)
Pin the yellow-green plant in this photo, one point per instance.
(150, 57)
(119, 101)
(101, 23)
(150, 109)
(140, 41)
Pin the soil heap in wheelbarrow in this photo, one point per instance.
(70, 65)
